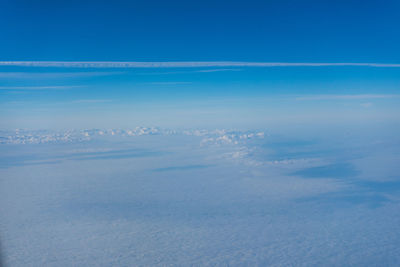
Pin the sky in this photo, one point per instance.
(200, 64)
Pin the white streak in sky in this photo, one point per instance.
(189, 64)
(87, 101)
(345, 97)
(218, 70)
(55, 87)
(40, 75)
(170, 83)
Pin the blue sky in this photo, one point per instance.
(290, 31)
(72, 94)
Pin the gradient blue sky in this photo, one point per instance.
(67, 95)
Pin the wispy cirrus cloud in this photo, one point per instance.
(46, 75)
(34, 88)
(186, 64)
(346, 97)
(88, 101)
(217, 70)
(367, 105)
(191, 71)
(169, 83)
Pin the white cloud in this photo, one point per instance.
(50, 87)
(170, 83)
(366, 105)
(35, 75)
(188, 64)
(346, 97)
(218, 70)
(91, 101)
(190, 71)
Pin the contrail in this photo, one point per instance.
(187, 64)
